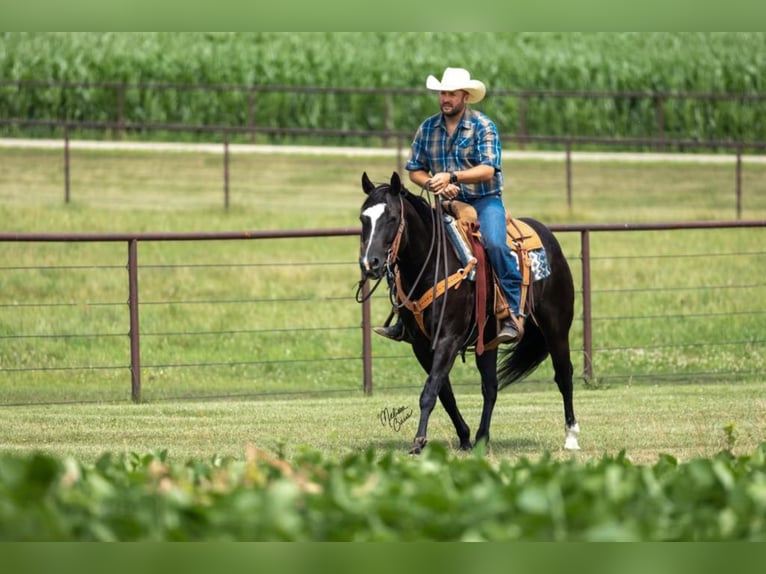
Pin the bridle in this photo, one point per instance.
(391, 258)
(417, 307)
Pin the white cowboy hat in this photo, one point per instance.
(458, 79)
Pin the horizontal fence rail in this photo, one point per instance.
(401, 138)
(625, 323)
(385, 108)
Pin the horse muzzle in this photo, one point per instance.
(371, 268)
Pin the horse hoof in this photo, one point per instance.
(418, 445)
(570, 443)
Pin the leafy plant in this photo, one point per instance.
(382, 496)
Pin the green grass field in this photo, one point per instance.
(675, 367)
(683, 420)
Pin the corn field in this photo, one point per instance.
(636, 63)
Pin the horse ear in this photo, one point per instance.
(367, 185)
(396, 184)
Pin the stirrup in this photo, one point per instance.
(510, 330)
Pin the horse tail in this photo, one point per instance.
(522, 359)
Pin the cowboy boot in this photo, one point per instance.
(394, 332)
(510, 330)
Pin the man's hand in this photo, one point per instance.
(449, 192)
(438, 183)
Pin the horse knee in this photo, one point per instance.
(427, 401)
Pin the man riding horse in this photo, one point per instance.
(456, 154)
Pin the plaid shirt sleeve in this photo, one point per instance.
(487, 143)
(423, 149)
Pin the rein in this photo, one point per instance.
(362, 298)
(417, 308)
(439, 288)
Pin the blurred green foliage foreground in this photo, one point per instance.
(373, 496)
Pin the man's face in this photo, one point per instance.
(452, 103)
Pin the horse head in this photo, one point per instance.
(381, 217)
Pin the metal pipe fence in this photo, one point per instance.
(518, 99)
(713, 324)
(569, 143)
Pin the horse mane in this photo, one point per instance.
(420, 205)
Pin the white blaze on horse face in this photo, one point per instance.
(372, 213)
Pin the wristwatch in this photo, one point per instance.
(452, 177)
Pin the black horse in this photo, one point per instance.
(401, 233)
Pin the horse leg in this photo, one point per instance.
(562, 365)
(447, 398)
(487, 364)
(438, 365)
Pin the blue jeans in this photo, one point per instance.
(491, 213)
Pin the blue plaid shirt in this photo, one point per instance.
(475, 141)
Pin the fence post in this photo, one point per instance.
(120, 89)
(660, 114)
(387, 116)
(366, 340)
(587, 324)
(226, 169)
(251, 113)
(135, 347)
(66, 163)
(569, 175)
(522, 119)
(739, 183)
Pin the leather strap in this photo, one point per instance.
(418, 307)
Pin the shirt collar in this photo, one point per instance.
(465, 121)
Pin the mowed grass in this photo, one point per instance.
(294, 191)
(267, 332)
(684, 420)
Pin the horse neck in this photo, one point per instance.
(414, 249)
